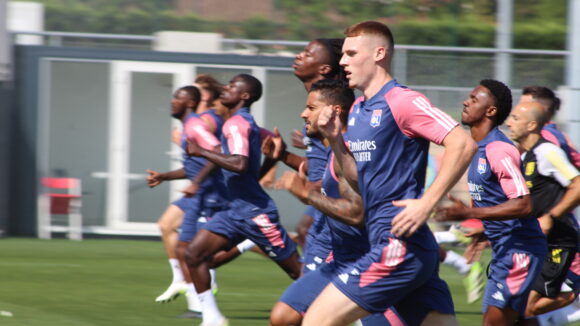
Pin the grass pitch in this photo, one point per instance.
(115, 282)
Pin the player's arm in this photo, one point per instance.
(504, 162)
(552, 162)
(155, 178)
(236, 163)
(274, 148)
(331, 128)
(459, 148)
(348, 209)
(519, 207)
(418, 118)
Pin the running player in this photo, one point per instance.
(501, 199)
(551, 104)
(389, 130)
(555, 188)
(318, 61)
(169, 222)
(252, 212)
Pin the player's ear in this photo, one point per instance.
(491, 111)
(245, 96)
(324, 69)
(380, 53)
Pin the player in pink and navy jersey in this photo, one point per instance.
(501, 199)
(252, 213)
(389, 130)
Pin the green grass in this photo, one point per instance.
(114, 282)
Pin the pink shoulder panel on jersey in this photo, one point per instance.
(196, 130)
(237, 132)
(331, 167)
(417, 117)
(356, 101)
(210, 119)
(265, 133)
(504, 161)
(550, 137)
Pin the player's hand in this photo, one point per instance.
(295, 183)
(546, 223)
(408, 221)
(191, 190)
(478, 243)
(329, 123)
(454, 212)
(273, 145)
(193, 149)
(298, 139)
(154, 178)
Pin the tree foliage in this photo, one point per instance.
(537, 23)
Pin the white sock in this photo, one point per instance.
(445, 237)
(245, 245)
(573, 313)
(457, 261)
(193, 303)
(176, 270)
(210, 311)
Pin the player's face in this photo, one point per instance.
(476, 106)
(234, 92)
(307, 63)
(179, 103)
(518, 122)
(314, 105)
(358, 60)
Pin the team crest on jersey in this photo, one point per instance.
(481, 165)
(376, 118)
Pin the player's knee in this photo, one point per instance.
(193, 256)
(164, 227)
(283, 315)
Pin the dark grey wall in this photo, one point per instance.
(6, 100)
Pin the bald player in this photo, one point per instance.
(555, 189)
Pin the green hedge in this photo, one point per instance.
(78, 17)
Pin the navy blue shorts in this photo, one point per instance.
(191, 207)
(300, 294)
(264, 230)
(511, 278)
(398, 274)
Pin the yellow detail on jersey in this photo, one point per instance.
(529, 184)
(530, 168)
(562, 166)
(556, 256)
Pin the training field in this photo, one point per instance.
(114, 282)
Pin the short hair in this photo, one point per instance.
(335, 92)
(333, 48)
(545, 96)
(372, 28)
(254, 87)
(193, 92)
(209, 84)
(502, 97)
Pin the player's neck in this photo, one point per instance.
(481, 130)
(186, 114)
(530, 141)
(377, 82)
(236, 108)
(308, 83)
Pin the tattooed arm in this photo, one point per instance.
(348, 209)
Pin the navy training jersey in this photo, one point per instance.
(317, 156)
(348, 242)
(389, 136)
(494, 177)
(242, 136)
